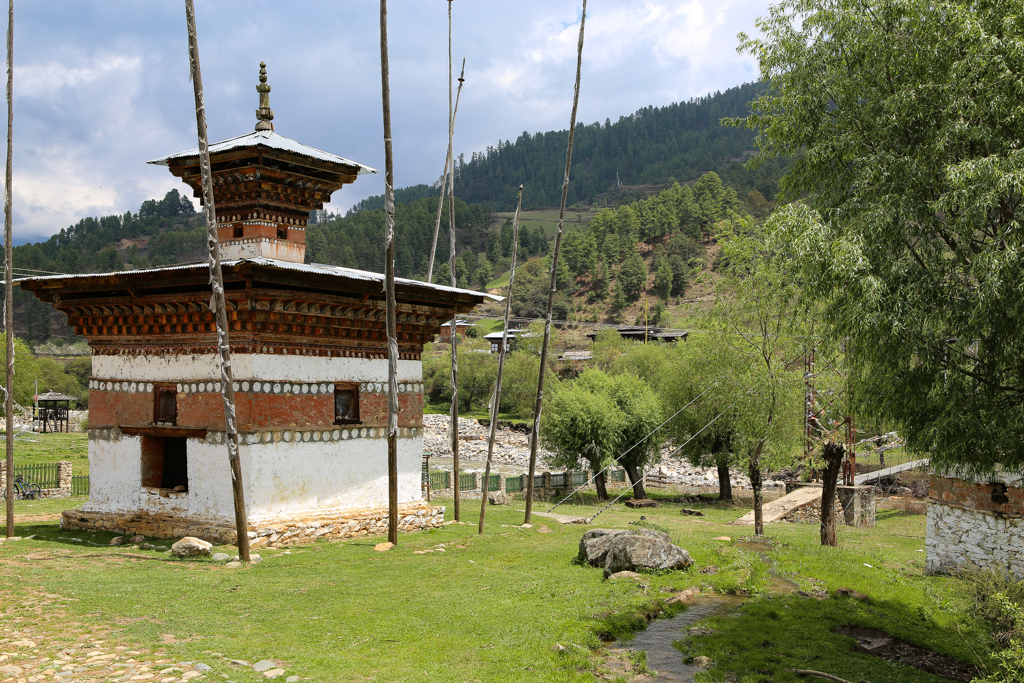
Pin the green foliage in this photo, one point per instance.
(49, 372)
(909, 114)
(633, 276)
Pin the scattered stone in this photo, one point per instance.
(641, 503)
(117, 540)
(191, 547)
(527, 526)
(221, 557)
(263, 665)
(702, 661)
(850, 593)
(292, 679)
(255, 559)
(239, 662)
(721, 538)
(558, 647)
(627, 575)
(201, 667)
(543, 530)
(138, 538)
(273, 673)
(710, 569)
(692, 513)
(382, 547)
(24, 643)
(233, 564)
(685, 596)
(499, 498)
(10, 670)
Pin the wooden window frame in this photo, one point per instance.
(354, 388)
(159, 389)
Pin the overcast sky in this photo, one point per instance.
(102, 86)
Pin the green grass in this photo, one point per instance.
(37, 449)
(491, 607)
(500, 281)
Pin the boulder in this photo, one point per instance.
(595, 543)
(191, 547)
(627, 575)
(499, 498)
(633, 552)
(692, 513)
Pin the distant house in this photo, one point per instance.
(495, 339)
(445, 334)
(646, 334)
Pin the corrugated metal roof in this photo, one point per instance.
(266, 138)
(55, 396)
(319, 268)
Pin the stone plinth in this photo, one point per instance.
(858, 505)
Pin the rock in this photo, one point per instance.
(684, 596)
(382, 547)
(527, 526)
(201, 667)
(233, 564)
(138, 538)
(626, 575)
(629, 552)
(292, 679)
(273, 673)
(191, 547)
(117, 540)
(255, 559)
(558, 647)
(710, 569)
(595, 543)
(702, 661)
(641, 503)
(721, 538)
(692, 513)
(10, 670)
(263, 665)
(221, 557)
(239, 662)
(499, 498)
(850, 593)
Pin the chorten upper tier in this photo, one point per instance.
(264, 186)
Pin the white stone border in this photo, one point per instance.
(254, 386)
(334, 434)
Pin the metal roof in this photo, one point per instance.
(54, 396)
(266, 138)
(317, 268)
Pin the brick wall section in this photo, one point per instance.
(976, 496)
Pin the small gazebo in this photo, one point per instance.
(51, 411)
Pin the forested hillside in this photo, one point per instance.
(681, 141)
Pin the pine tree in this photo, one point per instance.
(633, 276)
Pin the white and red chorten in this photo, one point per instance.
(309, 363)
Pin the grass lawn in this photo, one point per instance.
(38, 449)
(486, 608)
(500, 281)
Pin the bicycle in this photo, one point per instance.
(23, 489)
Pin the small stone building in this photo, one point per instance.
(976, 522)
(309, 365)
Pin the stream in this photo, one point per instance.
(657, 639)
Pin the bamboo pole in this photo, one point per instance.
(9, 276)
(389, 282)
(444, 178)
(496, 397)
(535, 432)
(217, 284)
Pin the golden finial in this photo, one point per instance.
(264, 115)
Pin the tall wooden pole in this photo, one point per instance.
(496, 396)
(448, 157)
(454, 424)
(217, 284)
(389, 282)
(535, 432)
(447, 178)
(9, 276)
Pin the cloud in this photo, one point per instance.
(102, 85)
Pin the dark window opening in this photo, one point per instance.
(165, 462)
(346, 405)
(239, 231)
(166, 408)
(282, 233)
(999, 494)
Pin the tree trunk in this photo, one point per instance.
(833, 454)
(724, 482)
(602, 489)
(638, 483)
(755, 484)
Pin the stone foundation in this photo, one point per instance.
(297, 529)
(858, 505)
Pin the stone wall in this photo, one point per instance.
(975, 523)
(63, 489)
(299, 529)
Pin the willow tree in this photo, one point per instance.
(756, 314)
(908, 118)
